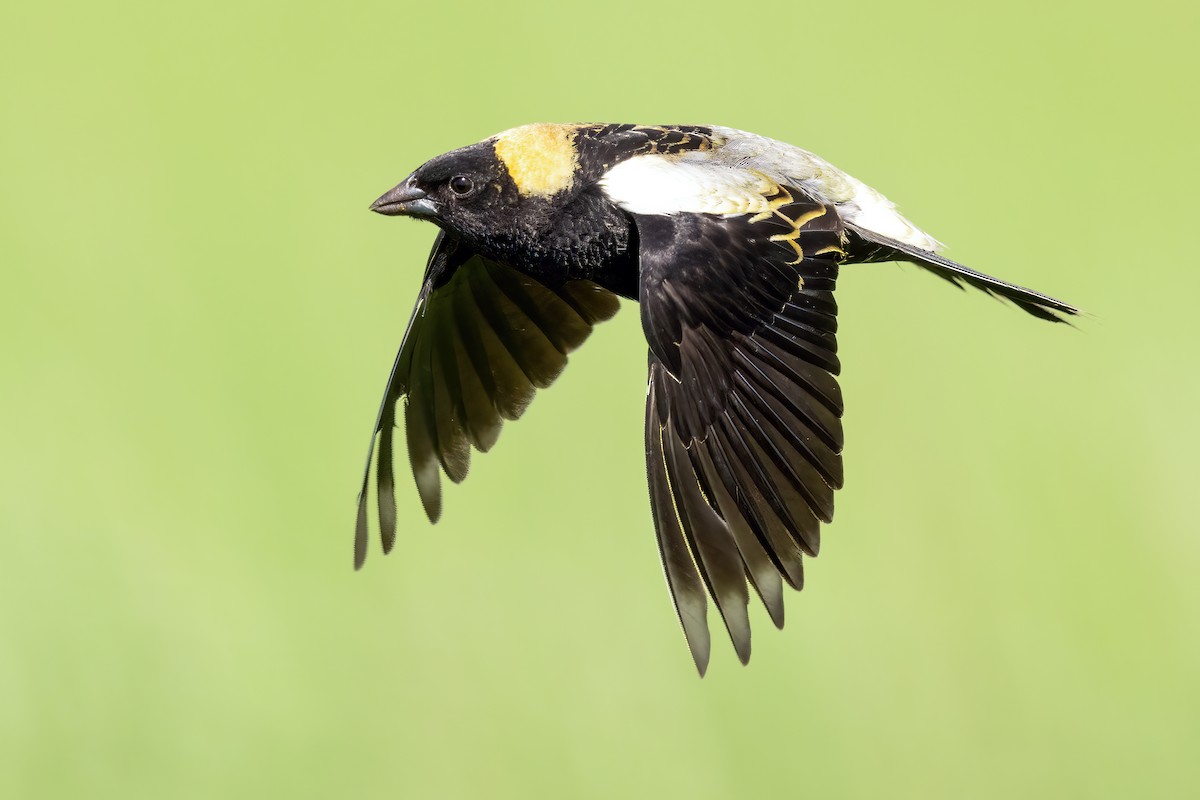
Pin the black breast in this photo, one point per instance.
(598, 242)
(582, 236)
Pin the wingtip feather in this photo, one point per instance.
(360, 531)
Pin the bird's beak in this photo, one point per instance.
(405, 199)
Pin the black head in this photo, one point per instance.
(461, 190)
(526, 197)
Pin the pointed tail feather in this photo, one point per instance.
(876, 247)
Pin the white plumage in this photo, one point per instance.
(739, 174)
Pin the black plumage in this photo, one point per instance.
(732, 245)
(481, 340)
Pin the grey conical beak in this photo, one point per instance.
(405, 199)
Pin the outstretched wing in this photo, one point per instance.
(743, 413)
(482, 338)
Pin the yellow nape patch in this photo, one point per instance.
(540, 158)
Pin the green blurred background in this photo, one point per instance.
(198, 314)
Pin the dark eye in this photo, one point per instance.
(461, 184)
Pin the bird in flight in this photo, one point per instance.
(731, 244)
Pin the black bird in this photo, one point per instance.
(731, 243)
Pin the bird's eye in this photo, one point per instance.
(461, 184)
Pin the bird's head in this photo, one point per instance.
(497, 192)
(456, 190)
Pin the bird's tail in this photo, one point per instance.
(876, 247)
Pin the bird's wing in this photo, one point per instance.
(481, 339)
(743, 413)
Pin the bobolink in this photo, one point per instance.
(731, 243)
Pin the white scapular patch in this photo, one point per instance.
(656, 184)
(737, 177)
